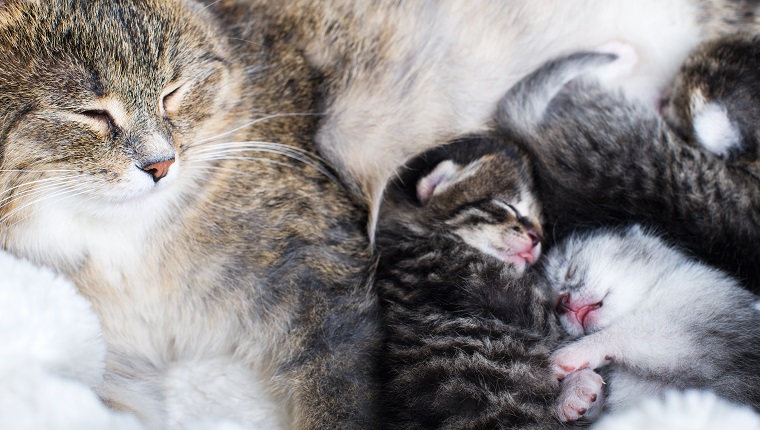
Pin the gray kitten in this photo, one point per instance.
(468, 331)
(658, 318)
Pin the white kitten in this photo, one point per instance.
(659, 318)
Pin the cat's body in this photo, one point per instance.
(468, 332)
(604, 160)
(404, 76)
(241, 257)
(659, 319)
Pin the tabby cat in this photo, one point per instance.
(468, 330)
(602, 160)
(165, 166)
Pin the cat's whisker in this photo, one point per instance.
(55, 181)
(251, 123)
(206, 7)
(64, 193)
(225, 151)
(37, 170)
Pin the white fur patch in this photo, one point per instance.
(714, 129)
(218, 389)
(690, 410)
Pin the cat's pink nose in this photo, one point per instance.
(159, 169)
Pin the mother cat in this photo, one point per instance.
(129, 163)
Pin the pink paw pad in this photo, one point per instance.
(581, 396)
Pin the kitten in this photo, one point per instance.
(657, 317)
(716, 99)
(468, 330)
(165, 166)
(403, 76)
(604, 160)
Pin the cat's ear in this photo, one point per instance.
(445, 174)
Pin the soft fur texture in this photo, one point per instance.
(602, 159)
(715, 99)
(53, 354)
(654, 317)
(247, 254)
(690, 410)
(404, 76)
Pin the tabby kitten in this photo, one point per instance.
(715, 99)
(165, 167)
(601, 159)
(468, 331)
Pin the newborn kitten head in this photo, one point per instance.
(97, 115)
(477, 191)
(715, 99)
(599, 277)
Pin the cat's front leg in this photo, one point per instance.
(589, 352)
(581, 396)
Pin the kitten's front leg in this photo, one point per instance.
(589, 352)
(581, 396)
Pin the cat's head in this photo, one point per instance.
(715, 99)
(602, 275)
(476, 190)
(100, 99)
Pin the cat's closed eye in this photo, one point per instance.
(101, 120)
(171, 101)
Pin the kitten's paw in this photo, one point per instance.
(577, 356)
(626, 62)
(581, 395)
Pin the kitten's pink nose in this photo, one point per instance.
(535, 236)
(158, 169)
(564, 303)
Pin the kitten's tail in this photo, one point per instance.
(525, 104)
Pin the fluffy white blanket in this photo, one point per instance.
(53, 354)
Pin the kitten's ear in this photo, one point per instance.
(445, 174)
